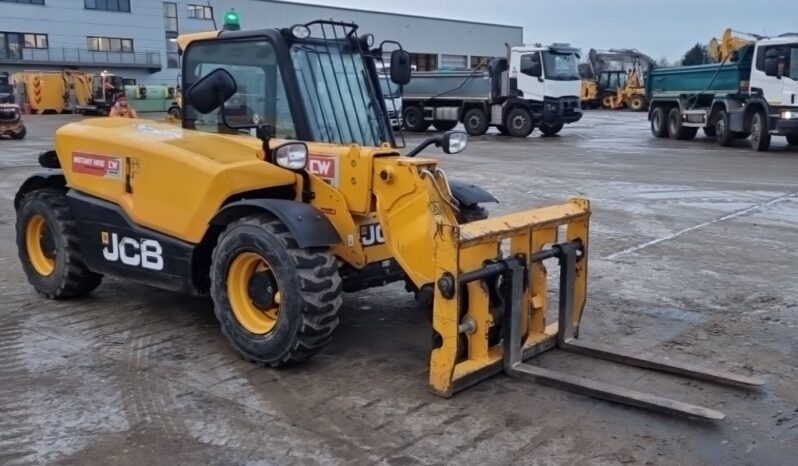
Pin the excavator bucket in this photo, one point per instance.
(491, 302)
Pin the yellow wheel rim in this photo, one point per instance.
(39, 242)
(253, 294)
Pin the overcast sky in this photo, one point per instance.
(656, 27)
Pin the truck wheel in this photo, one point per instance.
(519, 122)
(709, 131)
(503, 130)
(277, 303)
(48, 246)
(720, 123)
(475, 122)
(21, 134)
(675, 128)
(760, 138)
(444, 125)
(659, 125)
(176, 113)
(637, 103)
(414, 119)
(792, 139)
(550, 130)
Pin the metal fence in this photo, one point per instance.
(75, 56)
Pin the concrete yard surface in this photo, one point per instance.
(693, 257)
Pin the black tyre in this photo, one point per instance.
(519, 122)
(607, 100)
(49, 246)
(792, 139)
(444, 125)
(176, 113)
(760, 138)
(503, 130)
(710, 131)
(475, 122)
(720, 122)
(550, 130)
(659, 122)
(414, 119)
(637, 103)
(21, 134)
(277, 303)
(675, 128)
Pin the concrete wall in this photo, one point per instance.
(68, 24)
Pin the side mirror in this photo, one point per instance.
(771, 65)
(400, 67)
(454, 142)
(212, 90)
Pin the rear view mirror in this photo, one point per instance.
(212, 90)
(400, 67)
(454, 142)
(772, 63)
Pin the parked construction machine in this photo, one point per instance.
(615, 78)
(285, 188)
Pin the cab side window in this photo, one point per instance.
(531, 65)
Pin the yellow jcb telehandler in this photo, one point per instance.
(285, 188)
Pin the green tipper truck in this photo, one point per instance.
(754, 94)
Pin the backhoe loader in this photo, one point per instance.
(284, 188)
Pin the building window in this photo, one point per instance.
(12, 43)
(424, 61)
(110, 44)
(453, 62)
(171, 28)
(30, 2)
(200, 12)
(108, 5)
(480, 63)
(170, 16)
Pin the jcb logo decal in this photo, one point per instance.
(145, 253)
(371, 234)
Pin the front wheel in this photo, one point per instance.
(550, 130)
(519, 122)
(48, 246)
(277, 303)
(176, 113)
(21, 134)
(760, 138)
(475, 122)
(637, 103)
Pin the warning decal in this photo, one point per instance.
(325, 167)
(97, 165)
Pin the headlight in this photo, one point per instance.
(454, 142)
(300, 31)
(291, 155)
(789, 115)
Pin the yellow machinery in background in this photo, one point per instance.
(285, 188)
(722, 49)
(42, 90)
(615, 78)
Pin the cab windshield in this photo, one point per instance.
(561, 66)
(340, 98)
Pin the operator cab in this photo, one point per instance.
(315, 82)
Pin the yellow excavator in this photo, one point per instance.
(615, 78)
(286, 187)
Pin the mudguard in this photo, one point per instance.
(307, 224)
(42, 179)
(469, 194)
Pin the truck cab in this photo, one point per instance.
(545, 74)
(774, 76)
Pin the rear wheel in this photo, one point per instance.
(675, 128)
(792, 139)
(760, 138)
(475, 122)
(442, 125)
(21, 134)
(414, 119)
(503, 130)
(175, 113)
(659, 126)
(637, 103)
(550, 130)
(710, 132)
(277, 303)
(48, 246)
(519, 122)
